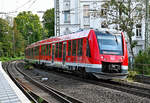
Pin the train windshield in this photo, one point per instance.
(109, 44)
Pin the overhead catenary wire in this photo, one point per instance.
(23, 5)
(32, 4)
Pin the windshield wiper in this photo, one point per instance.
(116, 39)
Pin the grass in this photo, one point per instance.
(131, 75)
(5, 59)
(29, 66)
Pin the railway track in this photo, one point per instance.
(61, 97)
(124, 87)
(121, 86)
(131, 88)
(6, 67)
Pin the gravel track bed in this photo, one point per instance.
(32, 87)
(89, 93)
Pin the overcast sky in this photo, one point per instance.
(25, 5)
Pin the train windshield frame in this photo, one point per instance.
(110, 44)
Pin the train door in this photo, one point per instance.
(64, 52)
(53, 46)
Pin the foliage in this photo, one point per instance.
(28, 66)
(18, 41)
(40, 100)
(26, 29)
(5, 38)
(29, 26)
(142, 62)
(126, 15)
(5, 59)
(131, 75)
(48, 21)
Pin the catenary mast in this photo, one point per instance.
(57, 20)
(147, 25)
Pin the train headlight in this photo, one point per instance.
(121, 59)
(105, 59)
(102, 57)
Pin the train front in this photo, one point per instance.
(113, 55)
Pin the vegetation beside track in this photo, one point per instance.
(142, 63)
(6, 59)
(25, 29)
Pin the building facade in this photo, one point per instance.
(84, 14)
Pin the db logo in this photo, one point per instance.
(112, 58)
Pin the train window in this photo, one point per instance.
(88, 53)
(60, 49)
(32, 53)
(43, 50)
(35, 51)
(26, 53)
(49, 49)
(29, 52)
(80, 44)
(38, 51)
(69, 48)
(74, 48)
(56, 53)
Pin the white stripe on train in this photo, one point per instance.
(59, 64)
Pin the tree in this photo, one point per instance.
(18, 41)
(5, 38)
(29, 26)
(48, 21)
(126, 15)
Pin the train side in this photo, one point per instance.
(82, 52)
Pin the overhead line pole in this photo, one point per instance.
(57, 18)
(147, 25)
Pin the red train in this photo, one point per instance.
(103, 54)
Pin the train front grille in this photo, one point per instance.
(111, 67)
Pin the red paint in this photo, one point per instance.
(96, 57)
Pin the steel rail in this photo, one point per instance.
(124, 87)
(31, 98)
(64, 98)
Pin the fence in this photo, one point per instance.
(143, 72)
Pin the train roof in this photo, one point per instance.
(74, 35)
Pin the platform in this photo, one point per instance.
(9, 92)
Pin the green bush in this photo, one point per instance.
(28, 66)
(5, 59)
(131, 75)
(142, 63)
